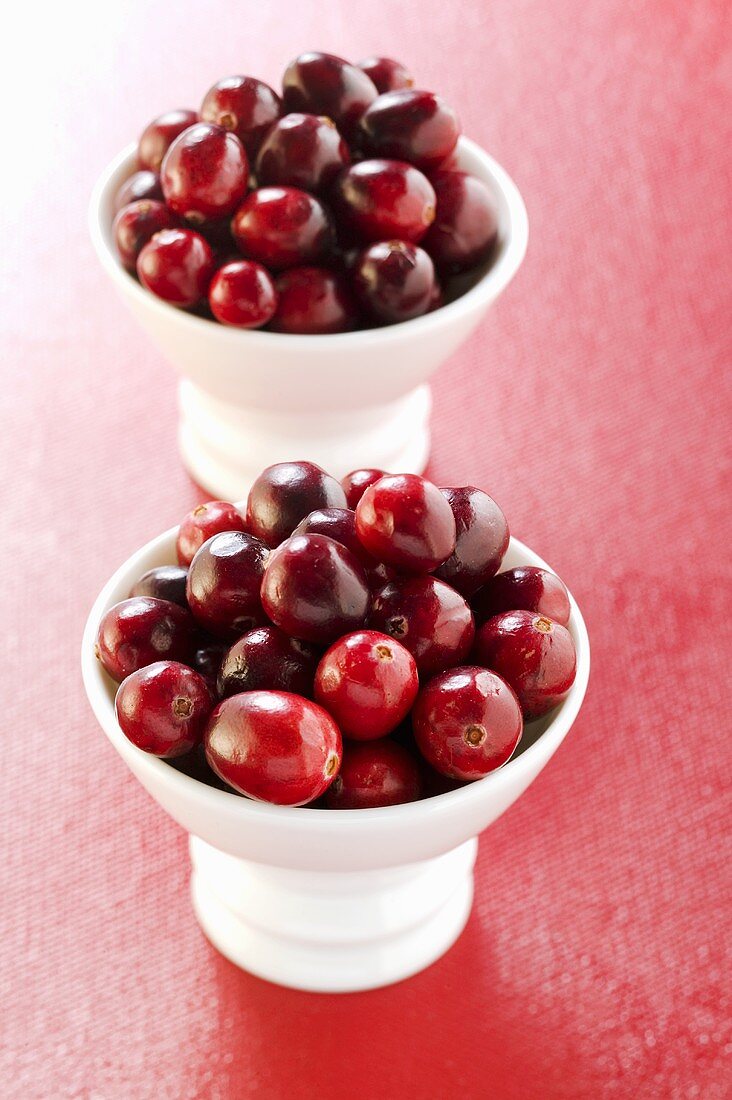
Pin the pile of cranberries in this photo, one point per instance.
(347, 642)
(335, 206)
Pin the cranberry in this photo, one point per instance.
(140, 185)
(314, 589)
(406, 521)
(195, 765)
(204, 173)
(393, 281)
(242, 294)
(176, 265)
(244, 105)
(526, 588)
(136, 224)
(274, 746)
(157, 138)
(415, 126)
(312, 301)
(357, 482)
(302, 151)
(340, 524)
(164, 708)
(482, 539)
(387, 75)
(208, 660)
(431, 619)
(323, 84)
(282, 227)
(204, 521)
(165, 582)
(381, 773)
(139, 631)
(534, 654)
(367, 682)
(284, 494)
(467, 722)
(465, 228)
(223, 584)
(437, 297)
(267, 658)
(377, 200)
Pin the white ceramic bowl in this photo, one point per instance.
(248, 399)
(324, 900)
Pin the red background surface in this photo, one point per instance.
(591, 403)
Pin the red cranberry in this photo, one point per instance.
(367, 682)
(207, 662)
(467, 722)
(393, 281)
(431, 619)
(282, 227)
(340, 524)
(140, 185)
(204, 173)
(465, 228)
(204, 521)
(157, 138)
(482, 539)
(533, 654)
(139, 631)
(378, 200)
(274, 746)
(357, 482)
(165, 582)
(315, 589)
(312, 301)
(164, 708)
(242, 294)
(223, 584)
(284, 494)
(415, 126)
(245, 106)
(268, 659)
(323, 84)
(176, 265)
(379, 773)
(406, 521)
(386, 75)
(526, 588)
(136, 224)
(302, 151)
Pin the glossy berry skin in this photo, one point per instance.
(378, 200)
(357, 482)
(368, 682)
(393, 281)
(467, 722)
(135, 224)
(202, 523)
(274, 747)
(207, 662)
(429, 618)
(465, 228)
(141, 185)
(165, 582)
(386, 74)
(323, 84)
(481, 541)
(535, 655)
(268, 659)
(302, 151)
(410, 125)
(284, 494)
(139, 631)
(177, 266)
(157, 138)
(340, 524)
(223, 584)
(164, 708)
(204, 173)
(376, 773)
(282, 227)
(404, 520)
(243, 295)
(315, 589)
(525, 588)
(313, 301)
(245, 106)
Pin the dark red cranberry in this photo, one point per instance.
(284, 494)
(268, 659)
(357, 482)
(535, 655)
(242, 294)
(482, 539)
(223, 584)
(386, 75)
(245, 106)
(315, 589)
(437, 297)
(393, 281)
(313, 301)
(165, 582)
(379, 773)
(525, 588)
(465, 228)
(410, 125)
(467, 722)
(139, 631)
(282, 227)
(302, 151)
(274, 746)
(204, 173)
(164, 708)
(378, 200)
(207, 662)
(431, 619)
(340, 524)
(157, 138)
(176, 265)
(323, 84)
(140, 185)
(201, 523)
(406, 521)
(367, 681)
(136, 224)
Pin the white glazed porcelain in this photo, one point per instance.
(322, 900)
(248, 399)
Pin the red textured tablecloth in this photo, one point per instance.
(591, 404)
